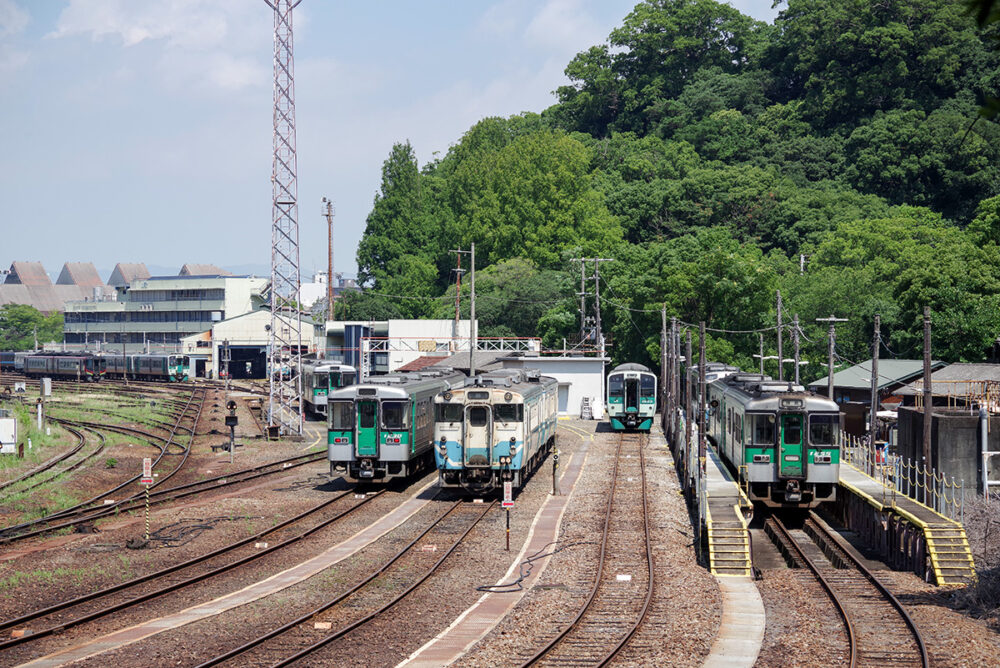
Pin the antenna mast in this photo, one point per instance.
(285, 406)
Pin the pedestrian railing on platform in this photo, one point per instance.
(905, 477)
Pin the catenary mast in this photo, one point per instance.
(285, 356)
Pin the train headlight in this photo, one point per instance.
(507, 396)
(447, 396)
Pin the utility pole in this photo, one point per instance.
(689, 408)
(675, 382)
(663, 364)
(583, 297)
(795, 344)
(329, 249)
(597, 298)
(472, 313)
(472, 304)
(873, 410)
(702, 449)
(831, 337)
(928, 399)
(781, 357)
(761, 356)
(226, 359)
(458, 296)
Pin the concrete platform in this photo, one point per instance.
(946, 541)
(728, 535)
(741, 632)
(479, 619)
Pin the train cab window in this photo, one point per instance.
(823, 429)
(616, 386)
(509, 412)
(341, 415)
(395, 414)
(648, 387)
(478, 416)
(347, 379)
(448, 413)
(321, 381)
(366, 414)
(762, 428)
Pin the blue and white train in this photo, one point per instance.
(496, 427)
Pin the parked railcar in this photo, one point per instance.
(19, 360)
(65, 365)
(631, 397)
(498, 426)
(781, 440)
(167, 367)
(6, 360)
(383, 428)
(319, 378)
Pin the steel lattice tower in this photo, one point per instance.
(286, 321)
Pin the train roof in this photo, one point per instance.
(761, 392)
(631, 366)
(523, 381)
(400, 385)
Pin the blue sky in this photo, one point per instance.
(140, 131)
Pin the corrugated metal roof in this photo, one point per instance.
(27, 273)
(79, 273)
(485, 360)
(46, 298)
(423, 363)
(126, 272)
(203, 270)
(890, 372)
(949, 379)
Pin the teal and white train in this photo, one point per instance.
(171, 368)
(781, 440)
(631, 397)
(497, 427)
(383, 428)
(319, 378)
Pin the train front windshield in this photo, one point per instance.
(647, 387)
(341, 415)
(616, 387)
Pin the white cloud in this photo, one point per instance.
(13, 19)
(216, 42)
(564, 26)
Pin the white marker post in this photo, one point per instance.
(147, 480)
(508, 503)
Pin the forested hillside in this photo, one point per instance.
(705, 151)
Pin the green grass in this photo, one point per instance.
(121, 571)
(42, 445)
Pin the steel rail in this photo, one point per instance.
(103, 612)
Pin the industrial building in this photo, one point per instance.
(156, 313)
(28, 283)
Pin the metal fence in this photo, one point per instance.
(905, 477)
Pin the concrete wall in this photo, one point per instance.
(580, 376)
(955, 448)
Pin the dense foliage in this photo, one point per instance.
(844, 155)
(21, 326)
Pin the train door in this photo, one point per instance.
(367, 428)
(631, 395)
(478, 436)
(791, 444)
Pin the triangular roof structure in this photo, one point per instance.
(126, 272)
(82, 274)
(192, 269)
(890, 372)
(27, 273)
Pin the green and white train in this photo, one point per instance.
(781, 440)
(383, 428)
(631, 397)
(319, 378)
(171, 368)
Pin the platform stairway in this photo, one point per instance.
(948, 549)
(728, 548)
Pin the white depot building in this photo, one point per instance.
(581, 380)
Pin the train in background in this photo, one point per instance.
(319, 378)
(781, 440)
(170, 368)
(383, 428)
(65, 366)
(631, 396)
(495, 427)
(11, 360)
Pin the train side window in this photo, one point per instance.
(449, 413)
(394, 415)
(341, 415)
(823, 429)
(762, 427)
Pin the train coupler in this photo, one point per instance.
(793, 492)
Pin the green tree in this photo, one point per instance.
(19, 324)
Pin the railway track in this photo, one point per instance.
(100, 604)
(621, 593)
(879, 630)
(94, 508)
(355, 608)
